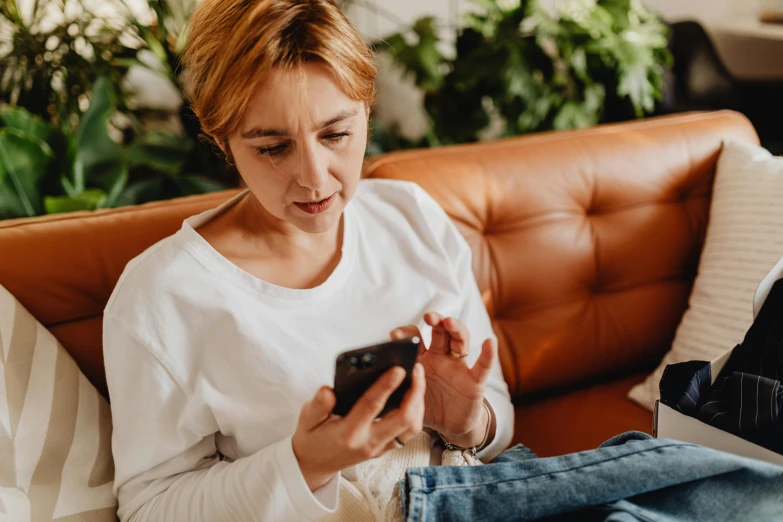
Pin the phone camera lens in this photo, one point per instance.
(368, 360)
(354, 361)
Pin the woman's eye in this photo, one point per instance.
(271, 151)
(337, 136)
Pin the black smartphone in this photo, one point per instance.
(357, 370)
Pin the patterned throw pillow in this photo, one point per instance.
(55, 429)
(744, 241)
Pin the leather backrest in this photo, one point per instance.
(63, 267)
(585, 243)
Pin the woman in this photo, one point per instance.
(220, 341)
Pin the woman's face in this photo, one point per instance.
(300, 147)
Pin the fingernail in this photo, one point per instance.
(396, 333)
(418, 369)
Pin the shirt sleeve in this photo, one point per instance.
(167, 466)
(473, 314)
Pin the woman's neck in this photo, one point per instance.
(267, 233)
(271, 249)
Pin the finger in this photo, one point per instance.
(407, 420)
(318, 409)
(372, 401)
(485, 361)
(391, 445)
(440, 336)
(404, 332)
(460, 337)
(433, 318)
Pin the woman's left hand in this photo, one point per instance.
(455, 392)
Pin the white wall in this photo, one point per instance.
(375, 25)
(704, 10)
(397, 14)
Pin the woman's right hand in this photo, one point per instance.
(325, 444)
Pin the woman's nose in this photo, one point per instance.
(313, 169)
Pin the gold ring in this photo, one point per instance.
(459, 355)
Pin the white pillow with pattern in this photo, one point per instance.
(744, 241)
(55, 429)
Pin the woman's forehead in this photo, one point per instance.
(303, 97)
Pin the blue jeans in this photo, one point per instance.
(629, 478)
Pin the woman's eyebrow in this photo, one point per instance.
(258, 132)
(344, 115)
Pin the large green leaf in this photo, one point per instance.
(26, 122)
(114, 179)
(10, 205)
(94, 146)
(143, 191)
(161, 152)
(24, 164)
(88, 200)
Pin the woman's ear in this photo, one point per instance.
(225, 147)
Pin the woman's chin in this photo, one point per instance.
(317, 223)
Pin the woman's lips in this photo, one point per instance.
(317, 207)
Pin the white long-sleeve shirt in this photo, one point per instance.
(208, 366)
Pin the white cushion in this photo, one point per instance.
(55, 429)
(744, 241)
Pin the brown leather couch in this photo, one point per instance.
(585, 247)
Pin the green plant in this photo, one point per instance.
(48, 67)
(165, 39)
(72, 137)
(520, 68)
(46, 170)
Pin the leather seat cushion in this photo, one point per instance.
(580, 419)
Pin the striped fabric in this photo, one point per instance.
(744, 241)
(55, 429)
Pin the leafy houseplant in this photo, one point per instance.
(46, 170)
(49, 68)
(70, 136)
(520, 68)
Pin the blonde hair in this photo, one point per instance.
(233, 43)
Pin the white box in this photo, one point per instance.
(671, 424)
